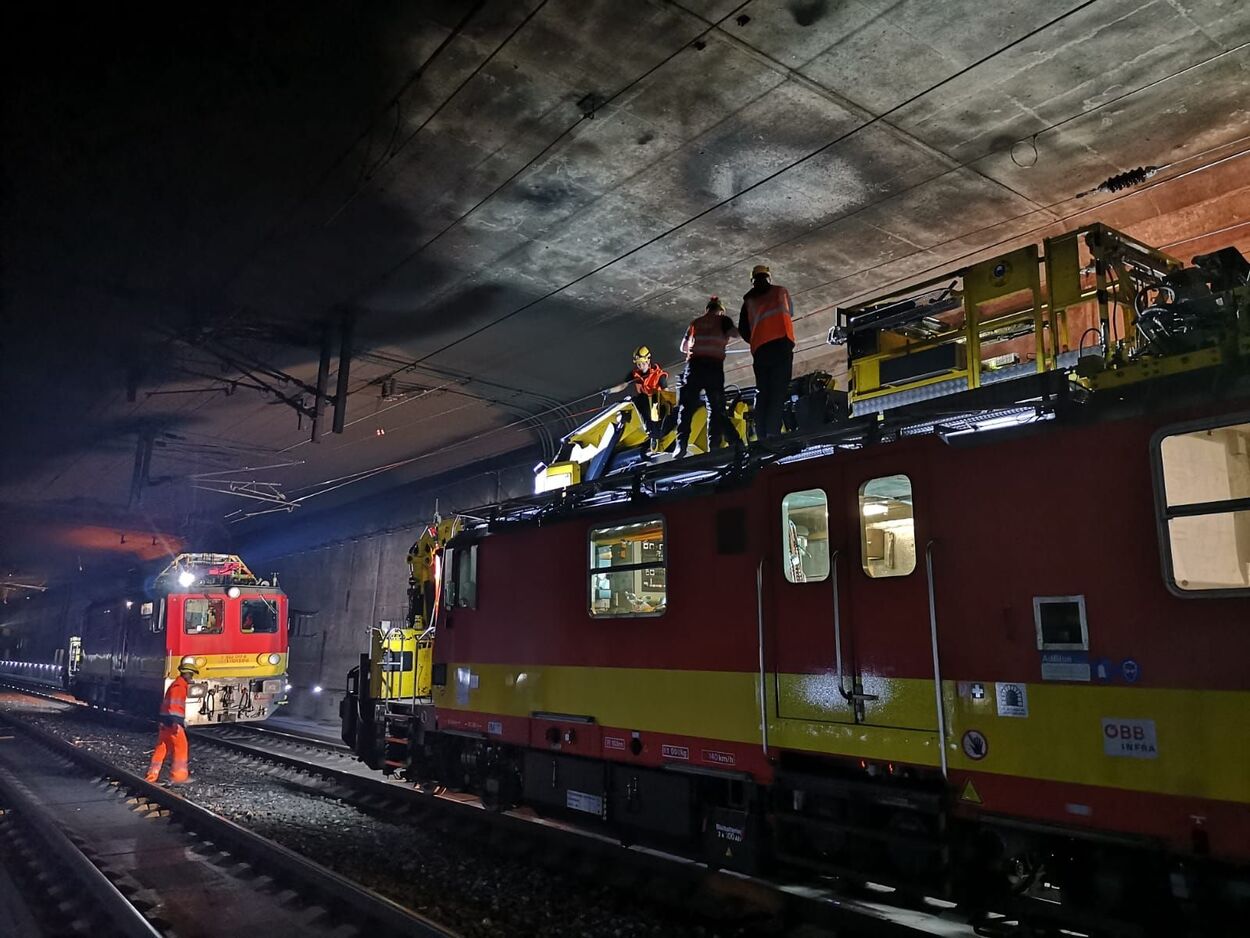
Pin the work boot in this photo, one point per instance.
(153, 779)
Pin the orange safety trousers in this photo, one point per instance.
(171, 737)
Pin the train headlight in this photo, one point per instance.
(234, 592)
(275, 658)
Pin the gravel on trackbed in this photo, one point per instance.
(475, 888)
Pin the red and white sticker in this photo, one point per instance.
(613, 742)
(719, 758)
(675, 752)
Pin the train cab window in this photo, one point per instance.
(887, 527)
(460, 577)
(1202, 487)
(805, 536)
(628, 569)
(258, 615)
(203, 617)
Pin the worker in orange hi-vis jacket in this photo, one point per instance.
(767, 322)
(173, 734)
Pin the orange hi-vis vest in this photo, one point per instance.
(649, 383)
(174, 705)
(708, 337)
(770, 316)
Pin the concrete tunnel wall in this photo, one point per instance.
(346, 569)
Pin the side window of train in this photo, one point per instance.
(887, 527)
(1202, 493)
(628, 569)
(460, 577)
(805, 536)
(203, 617)
(153, 620)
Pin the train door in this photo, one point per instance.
(887, 590)
(806, 562)
(119, 622)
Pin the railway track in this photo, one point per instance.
(666, 880)
(131, 858)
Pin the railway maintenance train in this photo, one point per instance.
(982, 634)
(122, 652)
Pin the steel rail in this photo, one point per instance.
(373, 793)
(385, 917)
(108, 900)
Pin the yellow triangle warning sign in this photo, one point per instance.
(969, 793)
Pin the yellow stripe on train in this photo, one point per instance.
(1190, 742)
(242, 664)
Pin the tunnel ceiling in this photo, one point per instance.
(507, 197)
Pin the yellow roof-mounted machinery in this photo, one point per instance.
(1092, 304)
(377, 715)
(590, 450)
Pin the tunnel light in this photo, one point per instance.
(129, 604)
(287, 688)
(234, 592)
(186, 578)
(317, 689)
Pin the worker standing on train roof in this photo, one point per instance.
(172, 736)
(644, 381)
(704, 346)
(767, 322)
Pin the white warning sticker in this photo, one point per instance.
(581, 801)
(1013, 700)
(1131, 739)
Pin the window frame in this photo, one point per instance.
(221, 620)
(275, 609)
(861, 524)
(785, 569)
(626, 568)
(1164, 514)
(1042, 644)
(451, 575)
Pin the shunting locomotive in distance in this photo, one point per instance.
(982, 633)
(123, 652)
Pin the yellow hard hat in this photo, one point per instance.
(188, 664)
(760, 270)
(642, 353)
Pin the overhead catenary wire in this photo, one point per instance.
(946, 265)
(758, 183)
(395, 150)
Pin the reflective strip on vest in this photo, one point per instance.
(175, 702)
(770, 316)
(708, 337)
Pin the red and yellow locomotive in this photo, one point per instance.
(122, 653)
(969, 639)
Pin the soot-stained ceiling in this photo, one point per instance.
(504, 198)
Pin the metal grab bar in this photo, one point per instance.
(937, 667)
(759, 611)
(837, 628)
(850, 696)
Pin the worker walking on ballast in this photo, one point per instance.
(704, 346)
(767, 322)
(172, 737)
